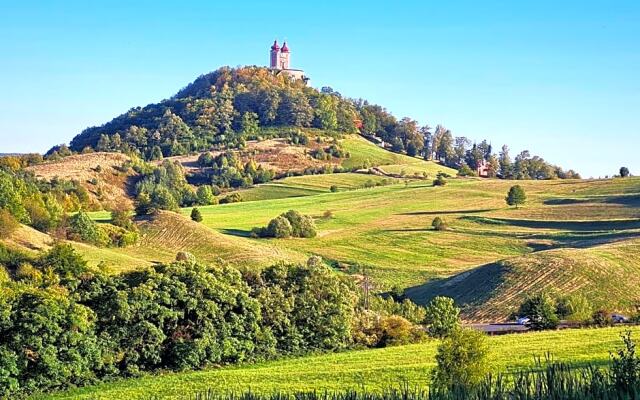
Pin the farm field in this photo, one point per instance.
(371, 369)
(388, 228)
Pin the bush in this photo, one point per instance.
(196, 215)
(466, 171)
(575, 308)
(333, 188)
(624, 172)
(442, 317)
(301, 225)
(83, 228)
(8, 224)
(279, 227)
(625, 367)
(205, 196)
(122, 217)
(232, 198)
(375, 330)
(438, 224)
(601, 318)
(440, 180)
(291, 223)
(462, 361)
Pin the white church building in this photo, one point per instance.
(280, 62)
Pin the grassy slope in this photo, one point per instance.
(373, 369)
(608, 275)
(164, 236)
(388, 227)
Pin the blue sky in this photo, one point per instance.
(561, 78)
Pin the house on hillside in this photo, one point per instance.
(280, 62)
(483, 169)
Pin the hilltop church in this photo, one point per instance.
(280, 62)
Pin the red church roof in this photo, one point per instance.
(285, 49)
(275, 45)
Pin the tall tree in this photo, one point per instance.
(506, 165)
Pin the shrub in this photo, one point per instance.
(83, 228)
(575, 308)
(196, 215)
(232, 198)
(279, 227)
(440, 180)
(442, 317)
(601, 318)
(466, 171)
(396, 330)
(122, 217)
(438, 224)
(625, 367)
(301, 225)
(184, 256)
(333, 188)
(541, 312)
(461, 361)
(8, 224)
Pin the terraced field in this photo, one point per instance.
(371, 369)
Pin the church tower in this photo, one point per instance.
(275, 55)
(284, 57)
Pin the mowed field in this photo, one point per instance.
(371, 369)
(389, 227)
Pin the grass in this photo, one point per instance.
(388, 227)
(370, 369)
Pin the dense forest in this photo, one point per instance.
(224, 108)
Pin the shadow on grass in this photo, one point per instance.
(586, 226)
(632, 200)
(448, 212)
(236, 232)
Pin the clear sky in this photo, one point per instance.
(559, 78)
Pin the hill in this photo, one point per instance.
(607, 275)
(101, 174)
(374, 370)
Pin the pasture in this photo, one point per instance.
(373, 370)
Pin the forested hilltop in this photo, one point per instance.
(225, 108)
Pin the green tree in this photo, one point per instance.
(249, 125)
(516, 196)
(83, 228)
(326, 112)
(205, 195)
(541, 312)
(196, 215)
(301, 225)
(442, 317)
(279, 227)
(462, 361)
(576, 308)
(624, 172)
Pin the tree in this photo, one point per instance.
(83, 228)
(196, 215)
(541, 312)
(506, 166)
(326, 112)
(205, 195)
(462, 361)
(249, 125)
(442, 317)
(575, 308)
(624, 172)
(279, 227)
(625, 366)
(516, 196)
(8, 224)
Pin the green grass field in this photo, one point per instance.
(371, 369)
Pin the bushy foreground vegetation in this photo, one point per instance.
(63, 323)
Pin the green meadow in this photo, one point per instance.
(373, 370)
